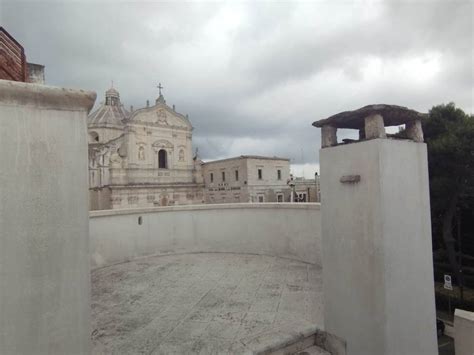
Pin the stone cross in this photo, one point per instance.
(160, 87)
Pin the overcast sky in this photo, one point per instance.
(254, 76)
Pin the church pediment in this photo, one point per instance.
(162, 143)
(162, 116)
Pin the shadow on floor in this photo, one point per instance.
(445, 345)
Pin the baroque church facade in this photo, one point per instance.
(141, 158)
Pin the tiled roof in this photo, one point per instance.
(108, 115)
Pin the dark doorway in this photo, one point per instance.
(162, 159)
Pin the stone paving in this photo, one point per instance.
(200, 303)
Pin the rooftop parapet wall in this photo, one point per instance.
(277, 229)
(44, 245)
(45, 97)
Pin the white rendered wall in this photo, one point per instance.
(376, 248)
(464, 332)
(280, 229)
(44, 245)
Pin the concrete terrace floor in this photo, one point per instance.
(202, 303)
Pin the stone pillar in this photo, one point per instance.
(328, 136)
(463, 332)
(44, 224)
(415, 131)
(376, 247)
(374, 127)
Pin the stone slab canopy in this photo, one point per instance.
(371, 121)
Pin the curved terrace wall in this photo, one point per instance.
(280, 229)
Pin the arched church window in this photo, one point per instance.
(162, 159)
(181, 155)
(141, 153)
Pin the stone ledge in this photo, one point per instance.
(292, 339)
(268, 205)
(464, 314)
(45, 97)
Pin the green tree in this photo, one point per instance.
(449, 134)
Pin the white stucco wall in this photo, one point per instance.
(376, 245)
(464, 332)
(44, 244)
(280, 229)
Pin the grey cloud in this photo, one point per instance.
(256, 87)
(401, 29)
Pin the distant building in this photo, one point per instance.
(141, 158)
(36, 73)
(13, 64)
(144, 158)
(247, 178)
(307, 190)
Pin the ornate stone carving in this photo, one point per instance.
(115, 160)
(132, 199)
(116, 200)
(162, 117)
(162, 144)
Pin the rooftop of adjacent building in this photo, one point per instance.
(13, 63)
(257, 157)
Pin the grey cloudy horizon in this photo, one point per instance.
(254, 76)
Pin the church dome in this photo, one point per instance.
(109, 113)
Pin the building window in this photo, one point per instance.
(302, 197)
(162, 159)
(260, 174)
(279, 198)
(260, 198)
(236, 175)
(223, 176)
(212, 177)
(279, 174)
